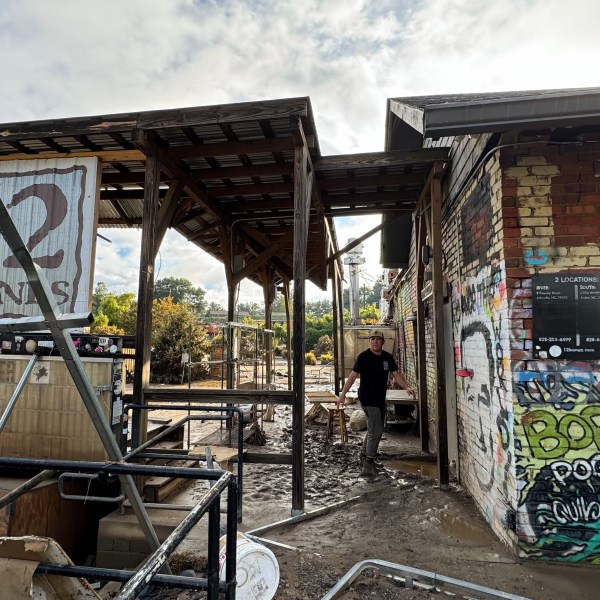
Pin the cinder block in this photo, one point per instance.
(121, 544)
(105, 543)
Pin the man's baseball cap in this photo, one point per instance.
(376, 333)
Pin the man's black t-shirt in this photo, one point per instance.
(374, 371)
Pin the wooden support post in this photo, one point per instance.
(302, 195)
(341, 349)
(420, 340)
(288, 322)
(438, 309)
(336, 334)
(268, 339)
(143, 334)
(227, 264)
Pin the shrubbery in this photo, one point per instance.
(310, 358)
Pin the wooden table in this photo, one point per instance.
(399, 397)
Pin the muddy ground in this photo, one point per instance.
(400, 516)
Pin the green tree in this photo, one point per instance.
(112, 312)
(315, 327)
(369, 315)
(98, 296)
(174, 332)
(319, 308)
(181, 290)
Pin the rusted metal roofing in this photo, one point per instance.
(236, 166)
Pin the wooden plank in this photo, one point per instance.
(268, 458)
(260, 146)
(401, 179)
(381, 159)
(108, 156)
(251, 189)
(244, 171)
(219, 453)
(224, 113)
(321, 397)
(212, 396)
(371, 197)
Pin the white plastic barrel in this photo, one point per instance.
(257, 569)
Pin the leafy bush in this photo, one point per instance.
(324, 345)
(310, 358)
(174, 329)
(326, 359)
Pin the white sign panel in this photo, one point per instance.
(52, 203)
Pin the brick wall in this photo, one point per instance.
(473, 242)
(528, 424)
(551, 210)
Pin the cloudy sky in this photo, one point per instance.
(69, 58)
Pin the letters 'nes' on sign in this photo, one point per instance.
(566, 315)
(53, 206)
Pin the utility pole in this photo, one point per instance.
(353, 259)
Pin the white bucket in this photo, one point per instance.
(256, 569)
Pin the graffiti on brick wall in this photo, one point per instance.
(482, 349)
(557, 447)
(560, 384)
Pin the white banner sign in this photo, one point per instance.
(52, 204)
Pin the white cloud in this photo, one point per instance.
(72, 58)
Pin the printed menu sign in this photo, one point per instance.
(566, 315)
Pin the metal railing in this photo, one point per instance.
(140, 451)
(148, 573)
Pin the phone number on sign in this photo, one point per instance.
(553, 339)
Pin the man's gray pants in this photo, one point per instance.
(375, 419)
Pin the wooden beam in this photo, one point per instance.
(407, 196)
(374, 210)
(340, 304)
(272, 249)
(288, 322)
(391, 158)
(420, 338)
(302, 196)
(134, 222)
(108, 156)
(401, 179)
(260, 146)
(224, 113)
(244, 171)
(166, 212)
(336, 333)
(438, 309)
(252, 189)
(355, 243)
(143, 334)
(130, 194)
(217, 396)
(285, 255)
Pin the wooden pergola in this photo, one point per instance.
(246, 183)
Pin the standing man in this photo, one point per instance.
(374, 366)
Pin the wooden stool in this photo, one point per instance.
(341, 414)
